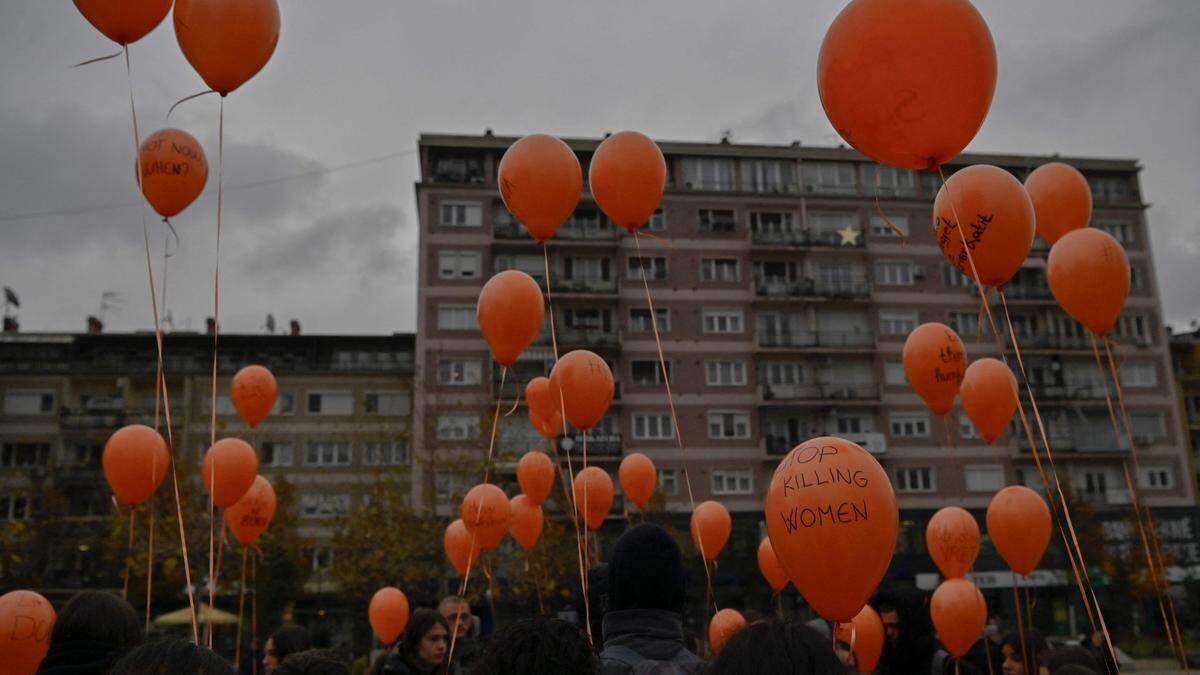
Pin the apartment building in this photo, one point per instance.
(1185, 355)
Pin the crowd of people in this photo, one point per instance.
(636, 606)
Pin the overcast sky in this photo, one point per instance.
(360, 80)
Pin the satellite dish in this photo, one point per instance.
(270, 323)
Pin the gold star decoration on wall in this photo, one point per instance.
(849, 235)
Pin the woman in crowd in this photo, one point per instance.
(284, 642)
(422, 649)
(172, 657)
(778, 647)
(91, 633)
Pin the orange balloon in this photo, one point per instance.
(638, 477)
(173, 170)
(1018, 522)
(1062, 199)
(124, 22)
(724, 625)
(833, 521)
(540, 183)
(236, 468)
(253, 393)
(535, 475)
(989, 397)
(485, 512)
(227, 41)
(510, 314)
(26, 621)
(768, 564)
(545, 413)
(959, 614)
(628, 175)
(462, 550)
(585, 385)
(526, 522)
(952, 537)
(593, 491)
(135, 463)
(934, 362)
(251, 515)
(907, 83)
(711, 525)
(388, 614)
(997, 222)
(865, 633)
(1088, 273)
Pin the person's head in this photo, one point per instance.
(426, 639)
(778, 647)
(457, 613)
(904, 625)
(312, 662)
(284, 642)
(646, 571)
(1096, 638)
(538, 645)
(1014, 654)
(98, 618)
(890, 616)
(172, 657)
(1059, 658)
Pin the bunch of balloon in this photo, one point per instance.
(535, 475)
(248, 518)
(724, 625)
(135, 463)
(229, 470)
(772, 571)
(934, 360)
(26, 621)
(593, 494)
(864, 634)
(959, 614)
(388, 614)
(545, 410)
(638, 478)
(1019, 525)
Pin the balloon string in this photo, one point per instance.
(490, 592)
(254, 612)
(487, 467)
(899, 233)
(128, 555)
(462, 593)
(516, 402)
(212, 427)
(967, 250)
(150, 561)
(587, 557)
(987, 654)
(237, 650)
(188, 98)
(1153, 529)
(98, 59)
(663, 241)
(1020, 625)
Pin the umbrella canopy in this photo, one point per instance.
(204, 614)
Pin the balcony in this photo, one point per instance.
(598, 445)
(1043, 341)
(780, 445)
(777, 287)
(820, 392)
(581, 337)
(843, 288)
(511, 229)
(784, 238)
(834, 239)
(1024, 292)
(817, 340)
(1100, 498)
(586, 286)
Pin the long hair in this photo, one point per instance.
(95, 616)
(778, 647)
(420, 623)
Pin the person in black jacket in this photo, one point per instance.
(423, 648)
(909, 646)
(91, 633)
(778, 647)
(312, 662)
(172, 657)
(538, 645)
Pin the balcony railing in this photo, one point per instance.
(598, 445)
(780, 445)
(835, 239)
(776, 287)
(820, 392)
(582, 337)
(585, 286)
(807, 339)
(843, 289)
(1026, 292)
(573, 231)
(1053, 392)
(785, 238)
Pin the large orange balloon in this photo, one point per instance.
(236, 467)
(711, 526)
(227, 41)
(1088, 273)
(585, 384)
(173, 170)
(907, 83)
(952, 537)
(628, 175)
(1018, 522)
(251, 515)
(388, 614)
(832, 518)
(959, 614)
(724, 625)
(545, 409)
(26, 621)
(510, 314)
(768, 564)
(135, 463)
(1062, 199)
(989, 396)
(535, 475)
(865, 632)
(253, 393)
(934, 362)
(638, 477)
(593, 491)
(485, 512)
(462, 550)
(525, 524)
(126, 21)
(540, 183)
(997, 222)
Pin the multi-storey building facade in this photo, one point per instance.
(783, 298)
(1185, 354)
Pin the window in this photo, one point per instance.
(725, 373)
(915, 479)
(893, 374)
(964, 323)
(768, 175)
(324, 506)
(387, 403)
(732, 481)
(457, 427)
(772, 222)
(722, 321)
(708, 173)
(321, 558)
(783, 373)
(459, 372)
(331, 403)
(910, 425)
(583, 219)
(458, 264)
(888, 181)
(586, 269)
(461, 214)
(966, 429)
(1147, 426)
(1134, 328)
(275, 453)
(458, 167)
(327, 453)
(655, 266)
(897, 322)
(1120, 230)
(880, 227)
(385, 453)
(285, 404)
(1110, 189)
(14, 508)
(984, 478)
(27, 402)
(657, 222)
(668, 482)
(719, 269)
(894, 273)
(1139, 374)
(652, 426)
(855, 424)
(16, 455)
(718, 221)
(457, 317)
(836, 177)
(952, 278)
(639, 319)
(649, 372)
(532, 265)
(728, 425)
(224, 405)
(448, 484)
(1156, 477)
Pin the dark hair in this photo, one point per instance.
(646, 571)
(420, 623)
(312, 662)
(172, 657)
(538, 645)
(1035, 647)
(290, 639)
(779, 647)
(100, 624)
(1061, 659)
